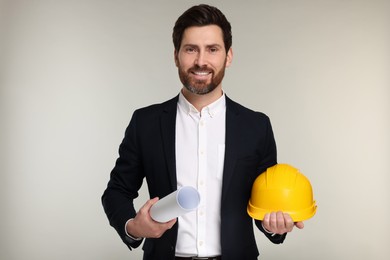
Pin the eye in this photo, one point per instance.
(190, 49)
(213, 49)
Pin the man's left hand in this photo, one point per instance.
(280, 223)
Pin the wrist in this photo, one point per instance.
(267, 231)
(130, 235)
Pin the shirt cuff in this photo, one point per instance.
(269, 232)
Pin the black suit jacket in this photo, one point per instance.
(148, 151)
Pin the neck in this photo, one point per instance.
(201, 101)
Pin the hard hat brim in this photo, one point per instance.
(300, 215)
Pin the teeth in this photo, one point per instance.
(201, 73)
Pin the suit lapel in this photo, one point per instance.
(168, 131)
(231, 144)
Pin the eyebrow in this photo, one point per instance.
(207, 46)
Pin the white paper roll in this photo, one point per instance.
(175, 204)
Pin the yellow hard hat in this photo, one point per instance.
(282, 188)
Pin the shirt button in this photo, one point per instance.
(200, 243)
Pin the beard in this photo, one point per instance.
(200, 87)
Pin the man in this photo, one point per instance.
(200, 138)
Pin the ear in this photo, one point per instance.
(176, 58)
(229, 57)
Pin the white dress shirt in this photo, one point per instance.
(200, 151)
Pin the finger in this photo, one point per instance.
(266, 223)
(152, 201)
(171, 223)
(266, 219)
(299, 225)
(289, 223)
(149, 203)
(144, 210)
(281, 224)
(160, 228)
(273, 221)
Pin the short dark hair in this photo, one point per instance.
(201, 15)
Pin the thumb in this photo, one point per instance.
(299, 224)
(154, 200)
(149, 204)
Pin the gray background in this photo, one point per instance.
(72, 73)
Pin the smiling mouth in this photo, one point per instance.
(201, 73)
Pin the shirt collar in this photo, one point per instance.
(211, 110)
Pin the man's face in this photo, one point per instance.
(202, 59)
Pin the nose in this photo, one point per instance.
(201, 59)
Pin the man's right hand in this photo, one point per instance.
(144, 226)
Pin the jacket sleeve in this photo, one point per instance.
(269, 158)
(125, 181)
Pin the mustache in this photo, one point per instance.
(198, 68)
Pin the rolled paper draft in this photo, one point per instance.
(175, 204)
